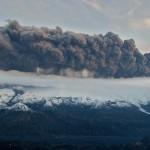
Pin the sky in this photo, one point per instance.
(127, 18)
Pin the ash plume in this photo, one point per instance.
(54, 51)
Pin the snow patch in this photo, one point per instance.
(19, 107)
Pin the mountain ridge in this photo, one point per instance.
(62, 118)
(15, 98)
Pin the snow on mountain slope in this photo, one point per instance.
(20, 91)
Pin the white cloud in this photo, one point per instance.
(104, 89)
(115, 9)
(140, 24)
(94, 4)
(137, 4)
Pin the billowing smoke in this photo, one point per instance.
(53, 51)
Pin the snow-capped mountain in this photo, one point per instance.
(23, 91)
(51, 107)
(16, 99)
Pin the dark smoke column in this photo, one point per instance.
(53, 51)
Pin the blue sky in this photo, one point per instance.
(128, 18)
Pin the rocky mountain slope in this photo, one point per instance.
(14, 98)
(70, 120)
(60, 110)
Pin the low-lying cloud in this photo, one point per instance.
(141, 24)
(131, 90)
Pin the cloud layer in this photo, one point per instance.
(131, 90)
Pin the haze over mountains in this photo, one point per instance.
(53, 51)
